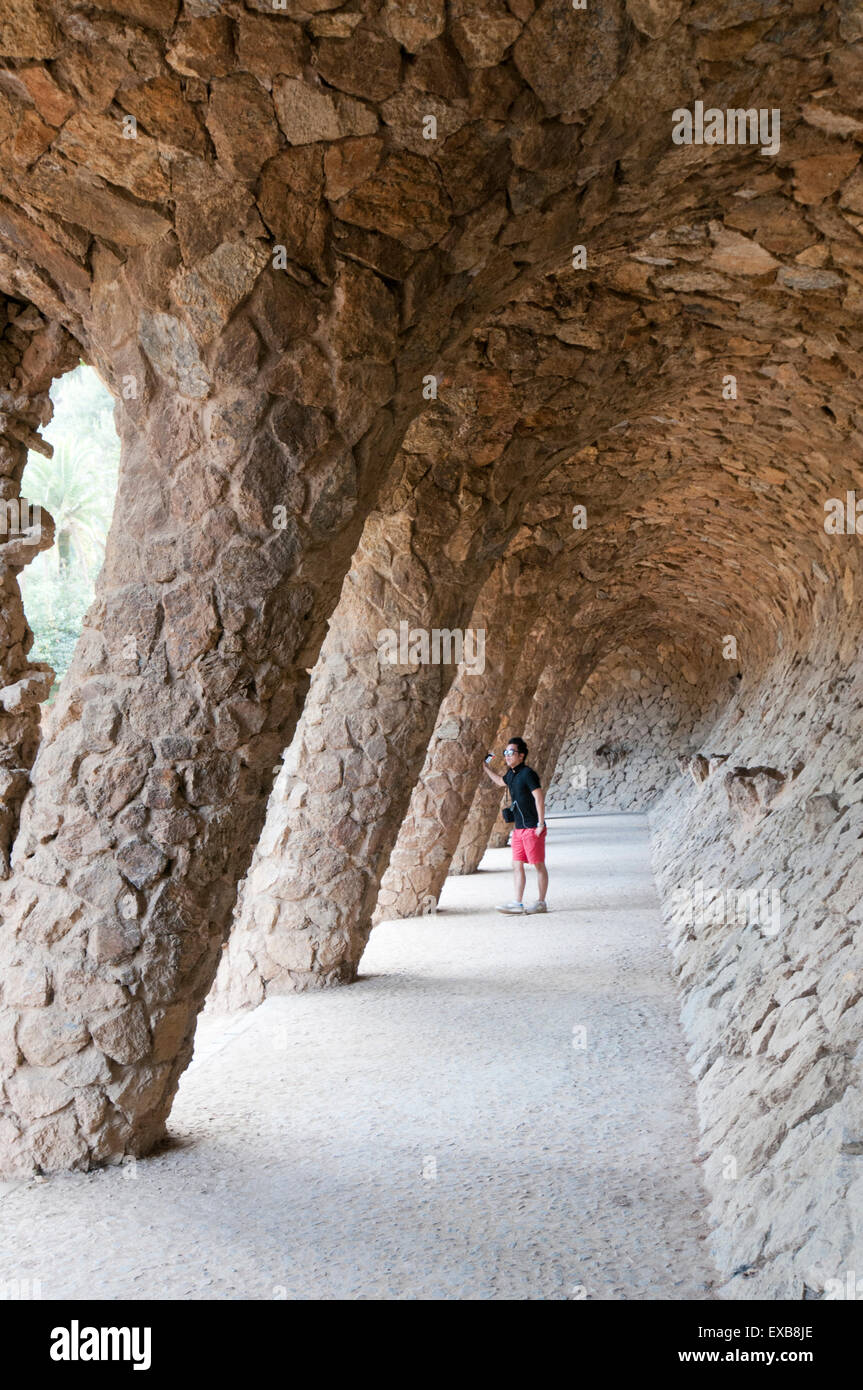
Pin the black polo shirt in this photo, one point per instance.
(522, 781)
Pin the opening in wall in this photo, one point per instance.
(77, 486)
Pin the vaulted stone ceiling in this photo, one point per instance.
(303, 128)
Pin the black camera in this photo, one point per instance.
(508, 814)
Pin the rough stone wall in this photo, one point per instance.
(634, 718)
(772, 987)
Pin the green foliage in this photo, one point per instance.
(55, 609)
(77, 486)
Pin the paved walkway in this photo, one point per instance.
(498, 1109)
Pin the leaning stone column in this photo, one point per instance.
(233, 526)
(306, 907)
(465, 729)
(485, 807)
(547, 720)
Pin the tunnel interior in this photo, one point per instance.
(420, 324)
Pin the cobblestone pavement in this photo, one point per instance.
(499, 1109)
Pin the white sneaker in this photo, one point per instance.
(513, 908)
(537, 907)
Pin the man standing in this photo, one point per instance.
(528, 835)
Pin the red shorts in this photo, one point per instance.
(528, 847)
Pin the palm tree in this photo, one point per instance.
(77, 487)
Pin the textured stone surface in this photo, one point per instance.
(339, 801)
(634, 721)
(771, 1003)
(329, 275)
(465, 730)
